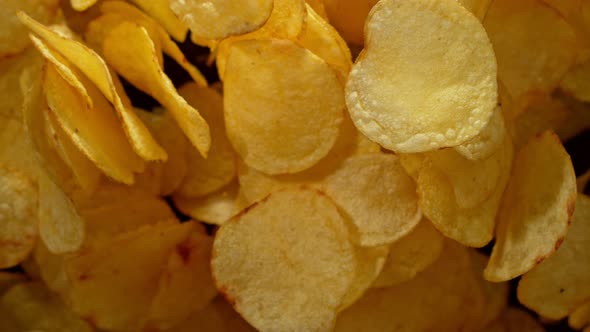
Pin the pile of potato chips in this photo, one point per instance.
(362, 165)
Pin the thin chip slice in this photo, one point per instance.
(426, 78)
(220, 19)
(378, 195)
(559, 284)
(267, 119)
(205, 176)
(410, 255)
(18, 219)
(161, 11)
(32, 307)
(216, 208)
(580, 317)
(94, 67)
(536, 208)
(533, 44)
(487, 141)
(577, 82)
(130, 50)
(286, 263)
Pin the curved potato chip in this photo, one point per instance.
(546, 44)
(426, 78)
(479, 8)
(94, 67)
(160, 10)
(559, 284)
(285, 22)
(286, 263)
(460, 196)
(205, 176)
(13, 35)
(577, 82)
(220, 19)
(32, 307)
(348, 17)
(266, 115)
(216, 208)
(580, 317)
(377, 195)
(18, 219)
(435, 300)
(487, 141)
(134, 58)
(410, 255)
(536, 208)
(82, 5)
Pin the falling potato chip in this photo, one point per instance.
(479, 8)
(134, 58)
(18, 219)
(559, 284)
(487, 141)
(220, 19)
(534, 46)
(536, 208)
(186, 285)
(378, 195)
(285, 22)
(82, 5)
(32, 307)
(161, 11)
(580, 317)
(13, 35)
(434, 300)
(216, 208)
(461, 196)
(286, 263)
(205, 176)
(410, 255)
(268, 128)
(348, 17)
(426, 78)
(577, 82)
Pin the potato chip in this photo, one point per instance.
(285, 22)
(216, 208)
(370, 262)
(479, 8)
(443, 297)
(318, 7)
(377, 195)
(487, 141)
(391, 94)
(18, 226)
(11, 98)
(410, 255)
(580, 317)
(460, 196)
(94, 67)
(577, 83)
(205, 176)
(13, 35)
(293, 265)
(220, 19)
(534, 46)
(348, 17)
(536, 208)
(82, 5)
(146, 74)
(31, 307)
(186, 285)
(163, 178)
(496, 293)
(162, 12)
(218, 316)
(268, 128)
(559, 284)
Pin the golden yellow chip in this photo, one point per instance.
(559, 284)
(205, 176)
(286, 263)
(534, 46)
(487, 141)
(32, 307)
(479, 8)
(220, 19)
(377, 195)
(426, 78)
(348, 17)
(81, 5)
(410, 255)
(216, 208)
(267, 115)
(535, 213)
(162, 12)
(130, 50)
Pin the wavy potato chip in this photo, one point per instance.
(559, 284)
(378, 196)
(348, 17)
(144, 71)
(391, 94)
(534, 46)
(205, 176)
(487, 141)
(220, 19)
(267, 115)
(286, 262)
(535, 213)
(410, 255)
